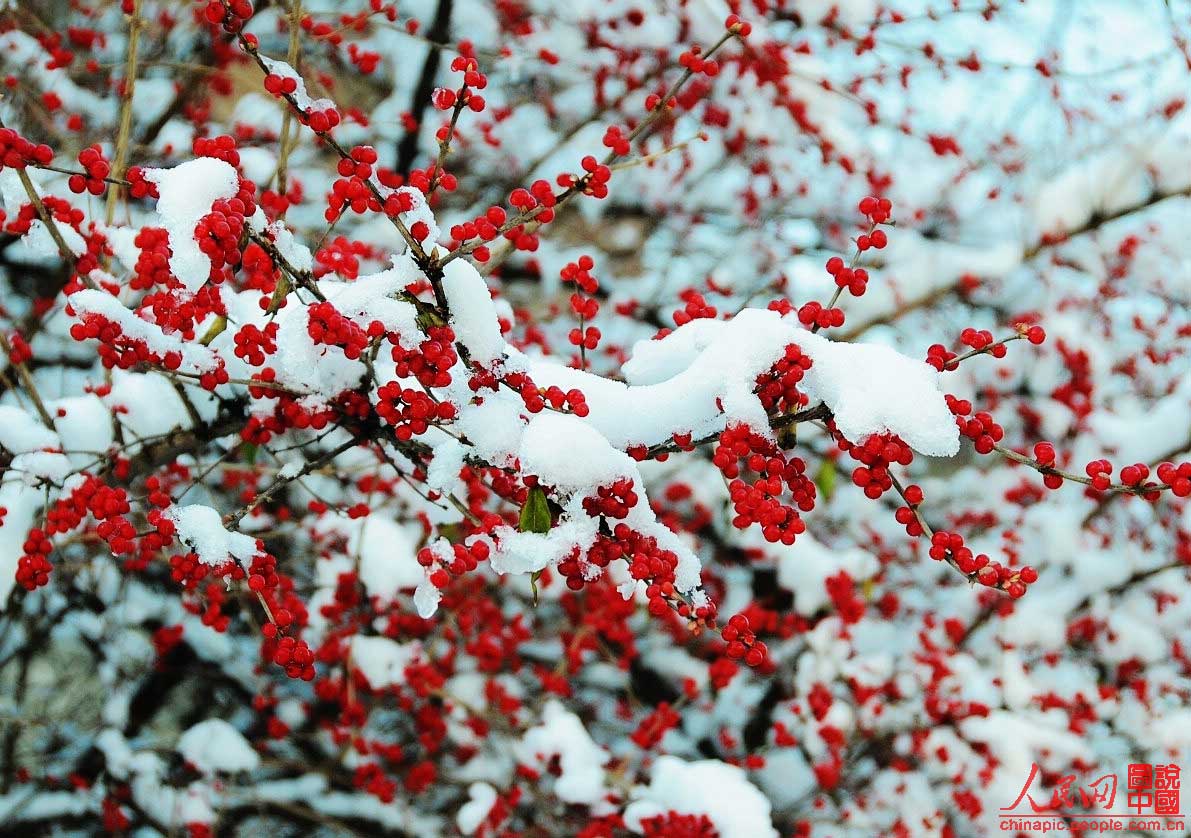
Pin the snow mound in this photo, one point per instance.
(214, 745)
(187, 192)
(705, 787)
(201, 529)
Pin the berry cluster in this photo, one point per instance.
(950, 546)
(876, 454)
(743, 643)
(409, 411)
(778, 387)
(138, 185)
(294, 656)
(278, 85)
(95, 167)
(431, 362)
(351, 188)
(695, 308)
(485, 227)
(981, 428)
(855, 280)
(16, 152)
(694, 61)
(612, 501)
(559, 399)
(759, 502)
(593, 181)
(327, 327)
(232, 15)
(253, 344)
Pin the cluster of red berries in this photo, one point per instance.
(981, 339)
(694, 61)
(1177, 477)
(814, 313)
(16, 152)
(981, 428)
(409, 411)
(219, 232)
(695, 308)
(322, 121)
(736, 26)
(531, 395)
(326, 326)
(294, 656)
(473, 79)
(572, 400)
(593, 181)
(939, 356)
(612, 501)
(230, 14)
(906, 515)
(485, 227)
(778, 387)
(654, 726)
(153, 260)
(33, 568)
(254, 344)
(463, 558)
(93, 498)
(19, 349)
(876, 454)
(743, 643)
(579, 272)
(538, 195)
(876, 210)
(1044, 455)
(138, 185)
(585, 308)
(115, 349)
(221, 147)
(588, 338)
(431, 362)
(370, 777)
(759, 502)
(991, 574)
(841, 590)
(615, 139)
(279, 85)
(351, 188)
(855, 280)
(95, 167)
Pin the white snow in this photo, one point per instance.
(21, 431)
(471, 814)
(301, 96)
(195, 356)
(187, 192)
(201, 529)
(804, 567)
(570, 455)
(473, 314)
(708, 787)
(214, 745)
(383, 661)
(873, 389)
(581, 760)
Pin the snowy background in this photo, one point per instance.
(1038, 159)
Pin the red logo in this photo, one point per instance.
(1151, 801)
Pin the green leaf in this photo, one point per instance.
(250, 452)
(535, 515)
(825, 478)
